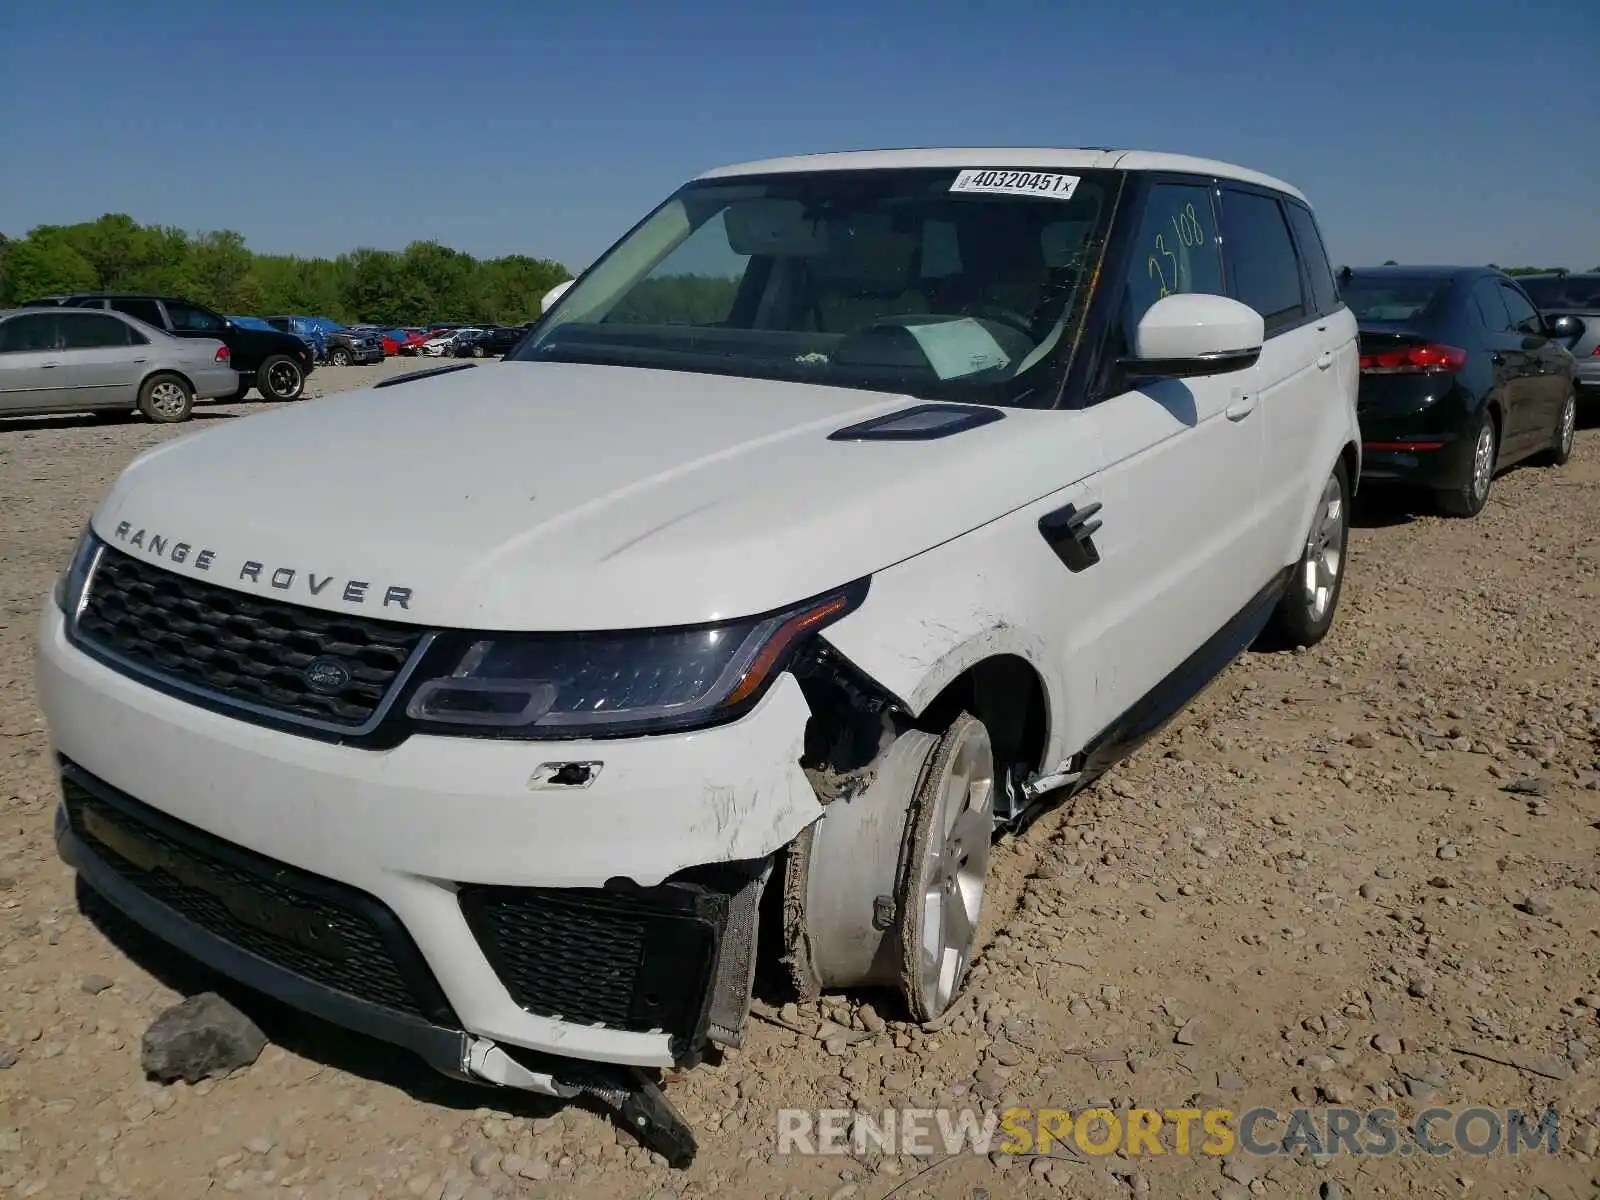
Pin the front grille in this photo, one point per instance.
(240, 647)
(638, 961)
(312, 927)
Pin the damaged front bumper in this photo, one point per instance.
(505, 919)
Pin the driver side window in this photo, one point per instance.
(1175, 251)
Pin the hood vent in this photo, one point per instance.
(920, 423)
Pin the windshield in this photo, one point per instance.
(1390, 298)
(965, 285)
(1557, 291)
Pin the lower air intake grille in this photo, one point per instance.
(634, 960)
(320, 930)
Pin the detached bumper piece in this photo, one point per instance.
(678, 958)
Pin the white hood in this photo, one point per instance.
(526, 496)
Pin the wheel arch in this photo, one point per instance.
(156, 372)
(1001, 675)
(1009, 696)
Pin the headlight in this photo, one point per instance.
(72, 582)
(608, 684)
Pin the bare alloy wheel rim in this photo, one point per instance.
(167, 398)
(1483, 462)
(955, 868)
(1569, 424)
(283, 377)
(1324, 551)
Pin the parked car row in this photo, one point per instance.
(58, 370)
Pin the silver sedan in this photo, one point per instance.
(55, 360)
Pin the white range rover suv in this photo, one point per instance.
(847, 510)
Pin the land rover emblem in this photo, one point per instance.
(326, 675)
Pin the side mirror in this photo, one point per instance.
(1194, 334)
(1565, 327)
(553, 295)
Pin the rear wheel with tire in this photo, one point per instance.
(338, 357)
(478, 351)
(280, 378)
(1305, 613)
(166, 399)
(1467, 498)
(1565, 434)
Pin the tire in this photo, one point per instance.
(166, 399)
(1305, 613)
(947, 861)
(280, 379)
(1468, 498)
(1565, 434)
(338, 357)
(479, 352)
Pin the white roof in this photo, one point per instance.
(1036, 157)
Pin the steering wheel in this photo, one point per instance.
(1004, 316)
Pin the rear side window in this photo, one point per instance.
(92, 331)
(188, 317)
(1491, 309)
(1324, 291)
(147, 311)
(1263, 270)
(1524, 317)
(29, 332)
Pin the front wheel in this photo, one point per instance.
(1468, 498)
(166, 399)
(280, 378)
(1565, 435)
(893, 876)
(338, 357)
(1305, 614)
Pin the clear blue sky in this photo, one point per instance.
(1422, 130)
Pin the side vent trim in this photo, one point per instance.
(920, 423)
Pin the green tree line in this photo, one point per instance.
(424, 282)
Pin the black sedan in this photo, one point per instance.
(492, 342)
(1460, 377)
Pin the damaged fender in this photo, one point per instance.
(968, 612)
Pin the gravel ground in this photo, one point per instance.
(1337, 874)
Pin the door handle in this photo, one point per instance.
(1325, 360)
(140, 361)
(1498, 360)
(1241, 407)
(48, 366)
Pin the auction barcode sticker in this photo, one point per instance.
(1016, 183)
